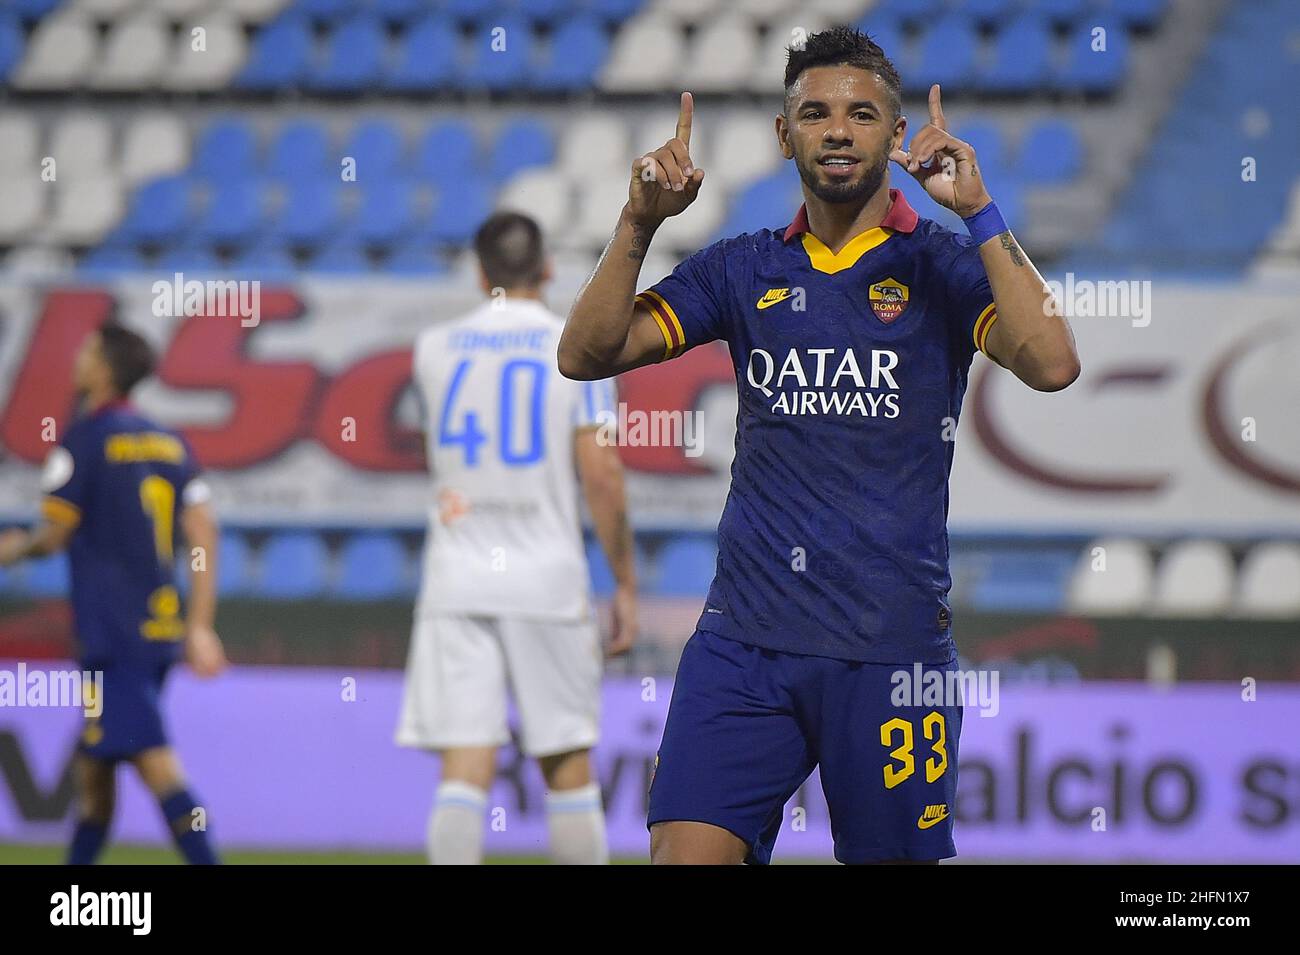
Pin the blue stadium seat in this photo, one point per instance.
(946, 54)
(1063, 11)
(990, 11)
(1139, 14)
(400, 12)
(613, 11)
(353, 57)
(458, 210)
(300, 148)
(887, 32)
(226, 149)
(427, 58)
(447, 152)
(519, 145)
(1021, 59)
(189, 255)
(765, 204)
(311, 213)
(467, 10)
(915, 11)
(387, 212)
(159, 211)
(1033, 580)
(986, 138)
(548, 12)
(1094, 71)
(294, 565)
(325, 11)
(280, 56)
(234, 565)
(111, 259)
(344, 256)
(416, 259)
(48, 576)
(686, 566)
(926, 207)
(1052, 152)
(377, 147)
(267, 258)
(574, 56)
(235, 212)
(34, 9)
(372, 566)
(12, 43)
(504, 68)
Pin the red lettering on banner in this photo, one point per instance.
(272, 400)
(44, 388)
(368, 393)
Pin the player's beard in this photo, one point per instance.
(856, 190)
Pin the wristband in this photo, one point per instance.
(985, 224)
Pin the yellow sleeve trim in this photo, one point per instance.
(61, 512)
(983, 324)
(669, 326)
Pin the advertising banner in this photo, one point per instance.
(287, 758)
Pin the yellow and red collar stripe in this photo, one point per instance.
(58, 511)
(666, 318)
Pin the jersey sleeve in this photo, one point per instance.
(66, 478)
(690, 304)
(970, 299)
(596, 404)
(193, 487)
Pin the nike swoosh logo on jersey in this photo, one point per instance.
(932, 816)
(772, 296)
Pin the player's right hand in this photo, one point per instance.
(624, 623)
(665, 181)
(204, 652)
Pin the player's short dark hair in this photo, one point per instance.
(129, 357)
(510, 250)
(845, 46)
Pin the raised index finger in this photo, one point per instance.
(684, 117)
(936, 109)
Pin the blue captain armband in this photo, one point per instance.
(985, 224)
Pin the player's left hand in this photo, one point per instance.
(623, 629)
(944, 165)
(204, 652)
(12, 542)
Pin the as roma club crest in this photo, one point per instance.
(888, 299)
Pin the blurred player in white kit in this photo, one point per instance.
(505, 597)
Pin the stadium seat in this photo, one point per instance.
(48, 576)
(1087, 70)
(413, 259)
(388, 211)
(12, 43)
(159, 211)
(427, 57)
(545, 194)
(946, 54)
(400, 12)
(593, 145)
(991, 11)
(887, 33)
(1194, 579)
(294, 566)
(300, 148)
(268, 258)
(255, 11)
(188, 255)
(916, 11)
(19, 141)
(500, 55)
(1063, 11)
(111, 259)
(769, 66)
(134, 54)
(353, 57)
(765, 204)
(153, 144)
(344, 256)
(81, 143)
(1024, 580)
(447, 152)
(22, 207)
(376, 147)
(598, 209)
(226, 149)
(1021, 57)
(311, 212)
(85, 209)
(521, 144)
(1269, 582)
(280, 56)
(458, 210)
(1051, 153)
(643, 55)
(987, 139)
(179, 9)
(1139, 14)
(547, 11)
(214, 67)
(1122, 587)
(372, 566)
(59, 55)
(614, 11)
(723, 53)
(573, 57)
(686, 566)
(234, 214)
(32, 10)
(326, 11)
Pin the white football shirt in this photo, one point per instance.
(505, 537)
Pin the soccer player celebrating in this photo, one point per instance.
(117, 488)
(504, 604)
(852, 330)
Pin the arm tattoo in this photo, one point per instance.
(640, 243)
(1013, 250)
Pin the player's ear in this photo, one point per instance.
(900, 131)
(548, 269)
(783, 136)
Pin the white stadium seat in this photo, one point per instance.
(213, 67)
(105, 9)
(600, 201)
(38, 262)
(81, 144)
(85, 209)
(1269, 582)
(181, 9)
(748, 152)
(1123, 587)
(135, 54)
(595, 145)
(22, 206)
(154, 144)
(1195, 579)
(19, 142)
(722, 55)
(693, 229)
(646, 55)
(764, 11)
(255, 11)
(842, 11)
(690, 11)
(768, 74)
(59, 54)
(546, 195)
